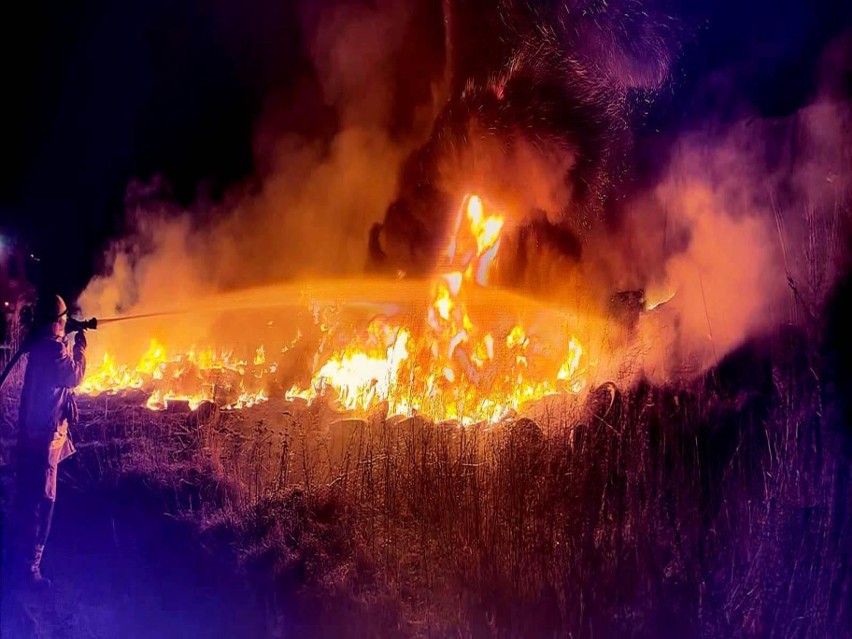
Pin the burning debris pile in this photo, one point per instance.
(537, 113)
(458, 358)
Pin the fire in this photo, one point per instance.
(361, 377)
(192, 377)
(486, 229)
(569, 372)
(453, 362)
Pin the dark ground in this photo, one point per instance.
(121, 567)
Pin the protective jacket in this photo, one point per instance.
(47, 399)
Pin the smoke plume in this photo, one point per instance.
(310, 209)
(742, 227)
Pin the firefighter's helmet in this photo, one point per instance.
(49, 309)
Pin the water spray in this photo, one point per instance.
(73, 324)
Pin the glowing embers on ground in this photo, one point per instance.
(452, 360)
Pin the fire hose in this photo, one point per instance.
(71, 326)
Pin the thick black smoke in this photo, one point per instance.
(564, 112)
(539, 116)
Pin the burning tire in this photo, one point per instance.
(603, 405)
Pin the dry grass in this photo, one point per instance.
(709, 510)
(716, 508)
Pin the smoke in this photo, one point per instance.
(310, 210)
(747, 229)
(744, 231)
(743, 226)
(539, 117)
(707, 238)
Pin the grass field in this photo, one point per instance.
(717, 507)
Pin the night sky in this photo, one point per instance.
(97, 94)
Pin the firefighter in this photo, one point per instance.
(47, 406)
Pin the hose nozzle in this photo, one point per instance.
(73, 324)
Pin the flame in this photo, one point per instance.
(486, 229)
(360, 378)
(193, 377)
(455, 363)
(570, 371)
